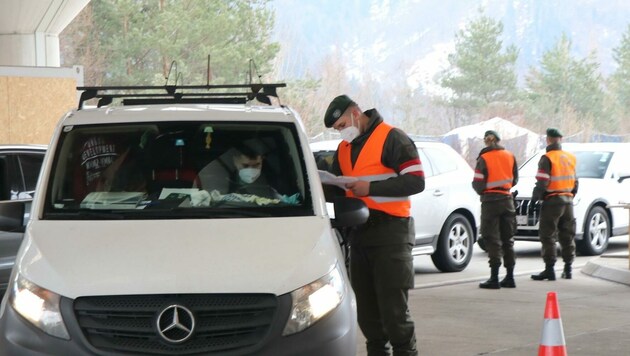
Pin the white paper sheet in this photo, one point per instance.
(340, 181)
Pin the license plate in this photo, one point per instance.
(521, 219)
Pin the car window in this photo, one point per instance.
(592, 164)
(5, 191)
(442, 161)
(30, 165)
(11, 183)
(324, 159)
(183, 169)
(589, 164)
(426, 163)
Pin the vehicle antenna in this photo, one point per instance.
(209, 72)
(254, 69)
(173, 64)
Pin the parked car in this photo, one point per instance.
(600, 169)
(19, 170)
(130, 249)
(446, 213)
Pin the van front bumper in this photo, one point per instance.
(335, 334)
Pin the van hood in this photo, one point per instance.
(255, 255)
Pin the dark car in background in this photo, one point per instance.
(19, 171)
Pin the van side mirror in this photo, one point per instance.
(622, 176)
(349, 212)
(12, 216)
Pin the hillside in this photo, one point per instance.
(410, 40)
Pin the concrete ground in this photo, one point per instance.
(462, 319)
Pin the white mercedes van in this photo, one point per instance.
(151, 234)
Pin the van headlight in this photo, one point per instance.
(314, 301)
(39, 306)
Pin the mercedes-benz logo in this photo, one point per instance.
(175, 323)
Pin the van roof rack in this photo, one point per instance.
(182, 94)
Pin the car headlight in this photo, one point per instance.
(314, 301)
(39, 306)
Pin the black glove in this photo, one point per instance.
(514, 194)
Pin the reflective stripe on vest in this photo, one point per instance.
(500, 165)
(369, 167)
(562, 178)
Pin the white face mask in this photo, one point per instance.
(249, 175)
(349, 133)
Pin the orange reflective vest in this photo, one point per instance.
(500, 167)
(562, 179)
(369, 167)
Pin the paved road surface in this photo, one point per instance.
(455, 317)
(528, 261)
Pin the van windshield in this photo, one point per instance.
(178, 170)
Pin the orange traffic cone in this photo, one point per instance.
(552, 339)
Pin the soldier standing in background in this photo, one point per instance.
(556, 185)
(495, 174)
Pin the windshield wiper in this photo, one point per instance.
(87, 215)
(183, 213)
(222, 212)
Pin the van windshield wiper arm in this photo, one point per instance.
(173, 213)
(87, 215)
(220, 212)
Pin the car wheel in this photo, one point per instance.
(455, 245)
(596, 232)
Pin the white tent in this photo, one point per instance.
(468, 140)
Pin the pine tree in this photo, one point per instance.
(138, 42)
(480, 71)
(565, 91)
(621, 77)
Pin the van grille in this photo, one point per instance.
(223, 322)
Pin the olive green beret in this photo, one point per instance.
(492, 132)
(336, 108)
(551, 132)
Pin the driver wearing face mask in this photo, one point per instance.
(249, 178)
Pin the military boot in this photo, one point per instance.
(508, 281)
(493, 282)
(548, 273)
(566, 274)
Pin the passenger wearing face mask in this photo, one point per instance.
(386, 162)
(248, 178)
